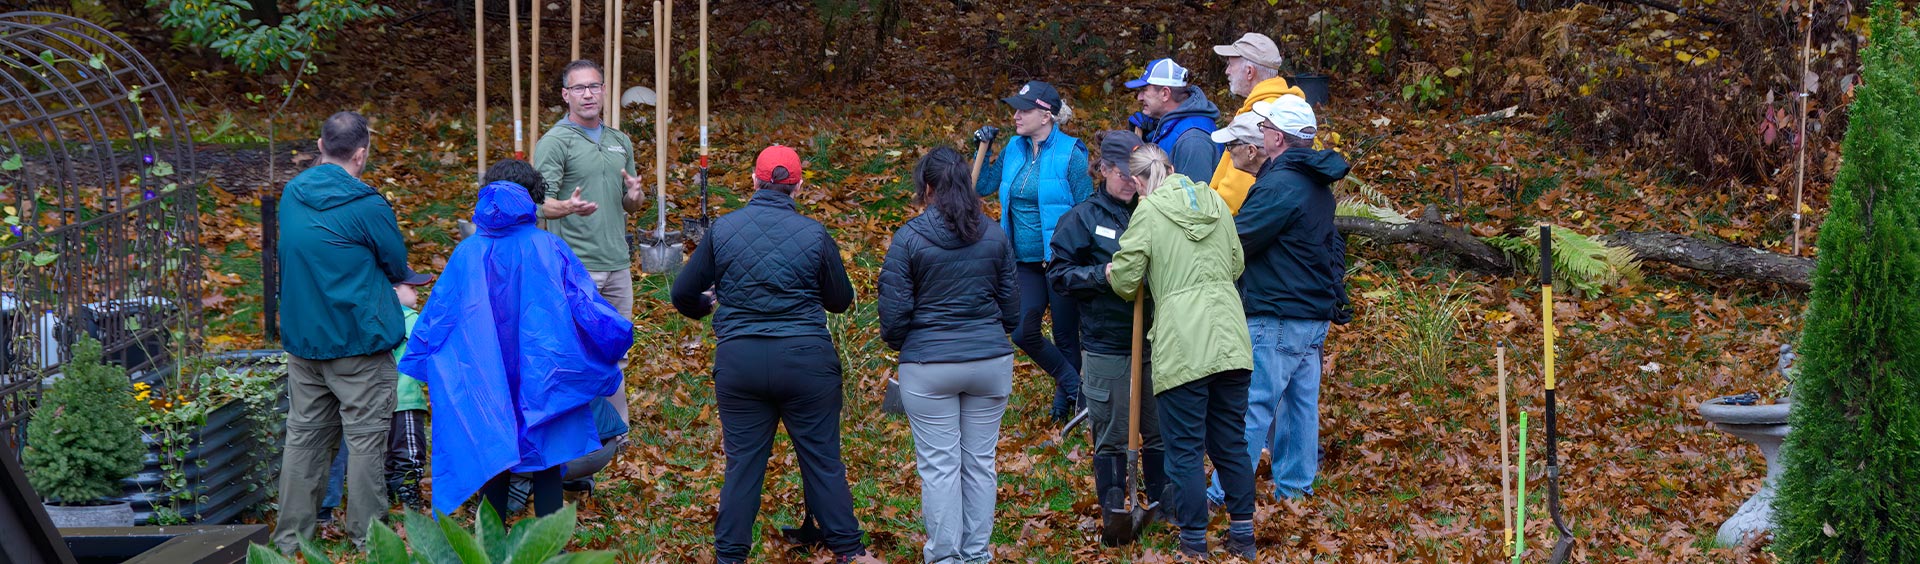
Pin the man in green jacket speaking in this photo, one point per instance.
(587, 166)
(340, 255)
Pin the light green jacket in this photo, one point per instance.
(1182, 243)
(408, 393)
(568, 159)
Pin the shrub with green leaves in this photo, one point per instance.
(223, 26)
(1579, 262)
(1851, 487)
(444, 541)
(83, 439)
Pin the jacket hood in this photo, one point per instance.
(328, 186)
(503, 208)
(1323, 166)
(933, 226)
(1191, 205)
(1197, 104)
(1268, 90)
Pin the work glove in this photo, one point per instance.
(1140, 122)
(986, 134)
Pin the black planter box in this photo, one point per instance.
(224, 463)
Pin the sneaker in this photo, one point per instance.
(860, 556)
(325, 517)
(1194, 549)
(1241, 546)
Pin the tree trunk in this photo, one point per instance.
(1704, 255)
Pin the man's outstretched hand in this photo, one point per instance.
(576, 205)
(636, 196)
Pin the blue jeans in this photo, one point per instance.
(1286, 397)
(336, 479)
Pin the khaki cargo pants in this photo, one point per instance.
(352, 396)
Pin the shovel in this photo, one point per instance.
(1122, 525)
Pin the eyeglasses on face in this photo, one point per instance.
(585, 88)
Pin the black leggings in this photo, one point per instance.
(547, 497)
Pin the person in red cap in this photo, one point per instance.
(777, 273)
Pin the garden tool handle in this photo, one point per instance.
(979, 159)
(1133, 385)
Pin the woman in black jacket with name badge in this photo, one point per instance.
(1083, 246)
(947, 303)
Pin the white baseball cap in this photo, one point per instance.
(1161, 72)
(1245, 129)
(1290, 114)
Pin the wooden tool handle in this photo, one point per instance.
(1133, 386)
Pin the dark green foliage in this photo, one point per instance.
(443, 541)
(1851, 491)
(83, 438)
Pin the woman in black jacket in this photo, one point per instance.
(947, 303)
(1083, 246)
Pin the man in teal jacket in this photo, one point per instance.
(340, 255)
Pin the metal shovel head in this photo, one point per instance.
(891, 403)
(1123, 526)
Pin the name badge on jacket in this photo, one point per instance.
(616, 148)
(1104, 231)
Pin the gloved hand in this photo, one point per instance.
(986, 134)
(1140, 122)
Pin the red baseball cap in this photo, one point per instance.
(778, 164)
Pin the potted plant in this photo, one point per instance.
(82, 440)
(1311, 80)
(213, 427)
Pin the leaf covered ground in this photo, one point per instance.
(1411, 446)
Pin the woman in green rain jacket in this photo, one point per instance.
(1181, 242)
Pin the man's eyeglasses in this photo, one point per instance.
(1264, 124)
(1231, 145)
(585, 88)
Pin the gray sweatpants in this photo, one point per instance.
(955, 410)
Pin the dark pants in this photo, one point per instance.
(547, 495)
(760, 383)
(1061, 356)
(407, 456)
(1211, 411)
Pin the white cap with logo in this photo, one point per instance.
(1290, 114)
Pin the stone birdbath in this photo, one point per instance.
(1764, 425)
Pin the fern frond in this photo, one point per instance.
(1353, 207)
(1579, 262)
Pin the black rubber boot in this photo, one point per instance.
(1066, 397)
(1109, 483)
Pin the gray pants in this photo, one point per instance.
(617, 287)
(351, 396)
(1104, 379)
(955, 410)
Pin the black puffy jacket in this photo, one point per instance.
(945, 300)
(1083, 245)
(1296, 259)
(775, 273)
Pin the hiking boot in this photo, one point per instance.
(1109, 483)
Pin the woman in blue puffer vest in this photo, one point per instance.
(1039, 175)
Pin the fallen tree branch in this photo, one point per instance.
(1429, 231)
(1704, 255)
(1716, 257)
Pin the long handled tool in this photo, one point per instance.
(1123, 522)
(1519, 545)
(979, 158)
(1564, 545)
(1506, 470)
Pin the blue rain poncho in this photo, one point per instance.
(515, 346)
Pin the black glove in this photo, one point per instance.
(986, 134)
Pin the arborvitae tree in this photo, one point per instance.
(84, 436)
(1851, 491)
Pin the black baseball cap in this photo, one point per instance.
(416, 278)
(1035, 94)
(1116, 146)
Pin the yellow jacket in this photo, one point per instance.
(1228, 181)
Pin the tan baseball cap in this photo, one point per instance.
(1255, 48)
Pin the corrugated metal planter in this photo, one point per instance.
(229, 467)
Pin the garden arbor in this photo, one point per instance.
(100, 205)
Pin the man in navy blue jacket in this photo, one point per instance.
(1294, 284)
(778, 274)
